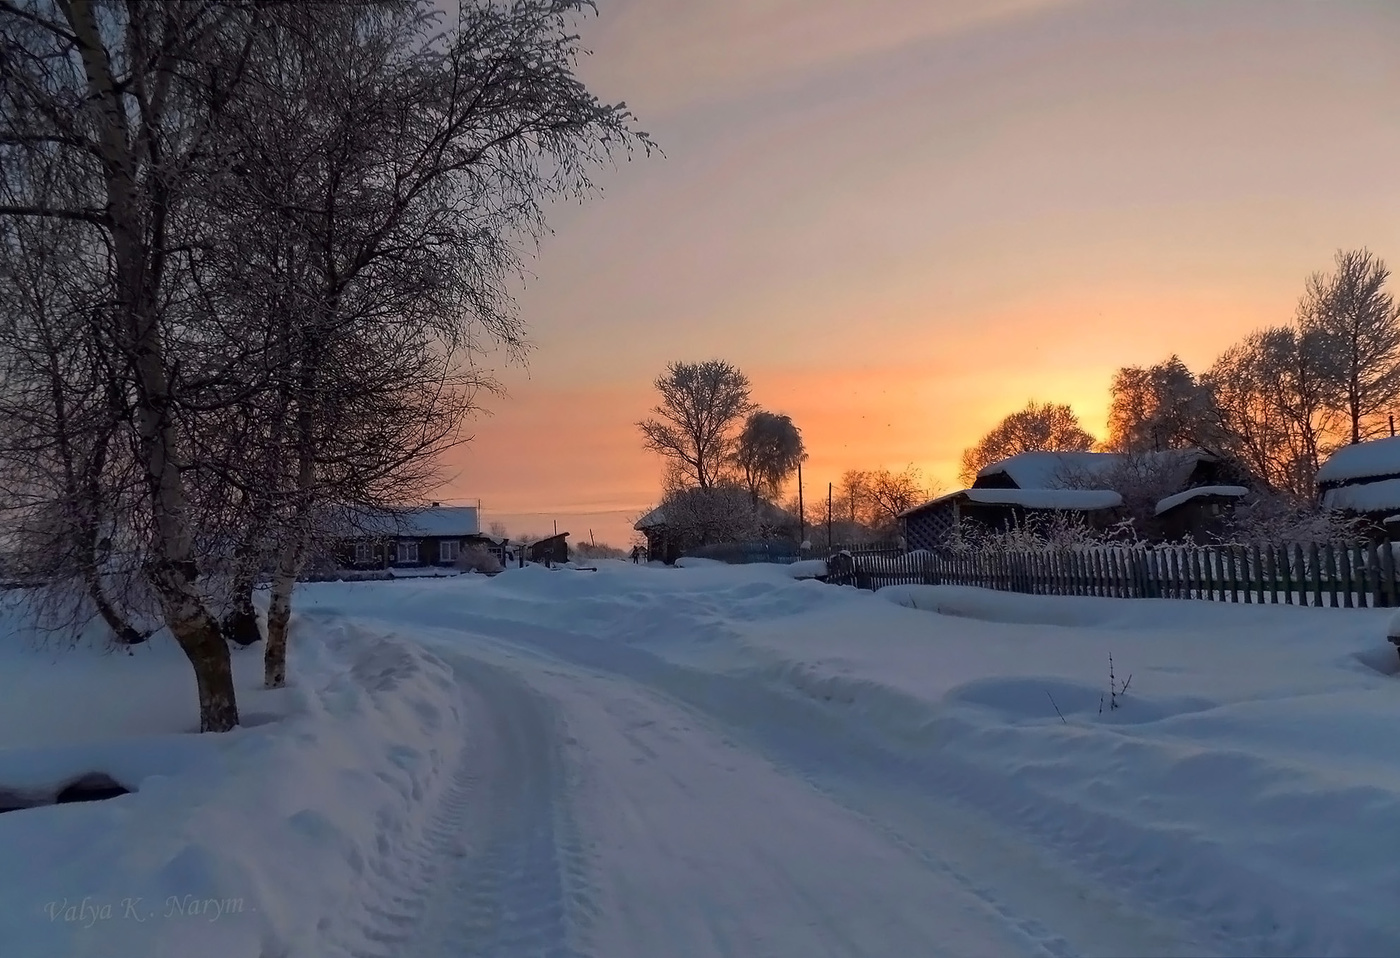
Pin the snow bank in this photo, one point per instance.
(1245, 785)
(1245, 775)
(807, 568)
(241, 845)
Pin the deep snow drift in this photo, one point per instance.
(720, 761)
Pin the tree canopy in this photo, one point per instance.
(693, 425)
(1039, 427)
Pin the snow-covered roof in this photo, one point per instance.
(1058, 470)
(1363, 460)
(1364, 497)
(1065, 500)
(651, 520)
(656, 517)
(1171, 502)
(426, 521)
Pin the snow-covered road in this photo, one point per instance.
(714, 762)
(636, 811)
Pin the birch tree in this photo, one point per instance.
(693, 426)
(115, 102)
(1354, 326)
(1267, 408)
(380, 175)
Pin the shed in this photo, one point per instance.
(929, 525)
(1197, 513)
(550, 550)
(669, 544)
(1362, 479)
(660, 543)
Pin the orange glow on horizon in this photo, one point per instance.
(902, 236)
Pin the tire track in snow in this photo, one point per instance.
(801, 738)
(497, 871)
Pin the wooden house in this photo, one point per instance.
(1088, 485)
(931, 524)
(413, 537)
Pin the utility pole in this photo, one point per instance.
(801, 519)
(828, 517)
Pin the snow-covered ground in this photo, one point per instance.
(643, 762)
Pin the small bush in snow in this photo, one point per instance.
(1039, 532)
(1285, 518)
(477, 559)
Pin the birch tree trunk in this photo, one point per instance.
(137, 215)
(279, 613)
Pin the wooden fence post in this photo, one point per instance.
(1332, 574)
(1362, 572)
(1388, 572)
(1373, 566)
(1344, 573)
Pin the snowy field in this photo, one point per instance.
(716, 761)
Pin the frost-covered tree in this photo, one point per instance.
(297, 223)
(890, 493)
(1051, 427)
(693, 426)
(1155, 407)
(1247, 419)
(851, 497)
(712, 515)
(1353, 325)
(1272, 406)
(767, 452)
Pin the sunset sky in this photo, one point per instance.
(903, 220)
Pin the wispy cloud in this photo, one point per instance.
(669, 54)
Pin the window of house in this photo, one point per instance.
(408, 551)
(364, 552)
(449, 550)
